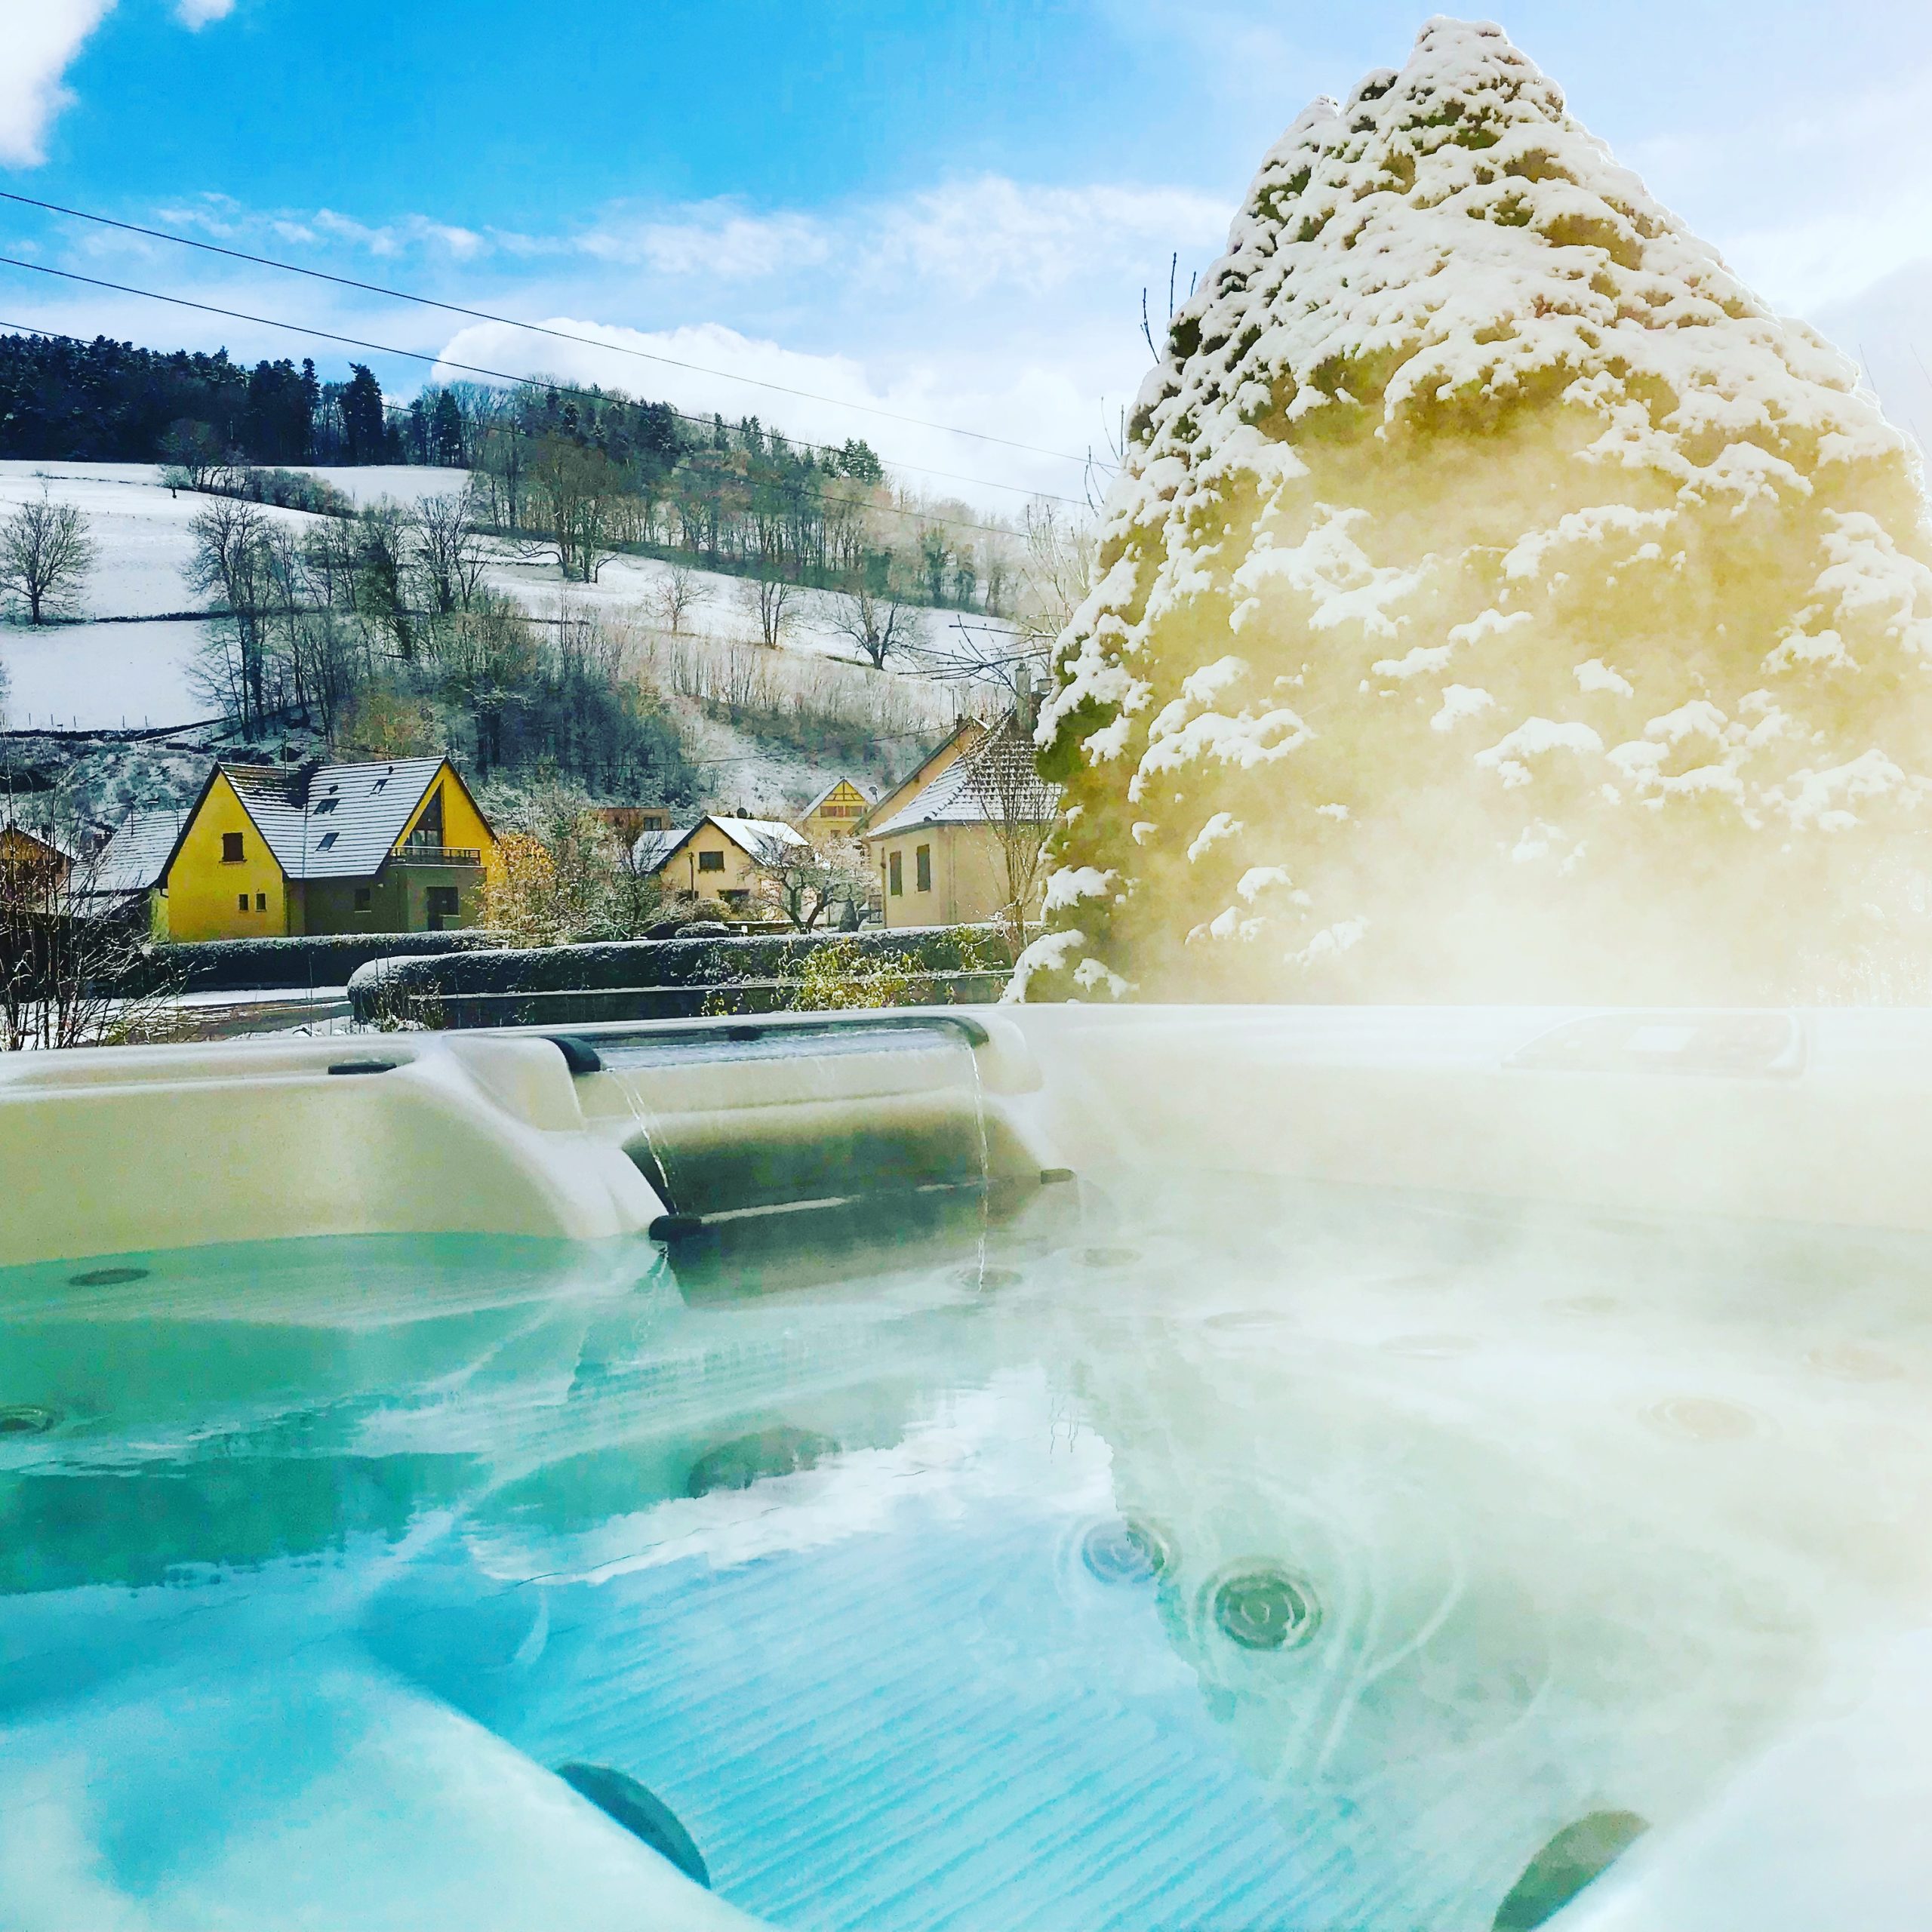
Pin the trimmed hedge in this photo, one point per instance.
(651, 978)
(244, 965)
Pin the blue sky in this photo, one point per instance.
(947, 209)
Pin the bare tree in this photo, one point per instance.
(575, 495)
(486, 656)
(773, 601)
(874, 619)
(384, 568)
(678, 592)
(809, 882)
(45, 555)
(450, 555)
(1055, 571)
(192, 453)
(232, 564)
(1020, 809)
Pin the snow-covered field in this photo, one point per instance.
(100, 677)
(96, 675)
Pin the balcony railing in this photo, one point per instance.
(437, 855)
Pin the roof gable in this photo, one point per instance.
(654, 851)
(39, 830)
(335, 821)
(997, 783)
(859, 792)
(895, 798)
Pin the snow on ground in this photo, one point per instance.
(400, 482)
(140, 527)
(100, 677)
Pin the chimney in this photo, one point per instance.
(1025, 711)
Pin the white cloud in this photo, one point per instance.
(976, 234)
(42, 39)
(993, 304)
(715, 240)
(969, 236)
(195, 14)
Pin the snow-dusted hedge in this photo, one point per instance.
(241, 965)
(645, 979)
(1498, 600)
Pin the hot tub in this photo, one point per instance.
(1040, 1468)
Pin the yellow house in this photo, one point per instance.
(30, 850)
(835, 813)
(966, 736)
(393, 846)
(970, 846)
(716, 858)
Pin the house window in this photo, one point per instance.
(735, 898)
(327, 839)
(895, 882)
(443, 904)
(427, 829)
(362, 898)
(326, 805)
(241, 902)
(231, 853)
(261, 901)
(711, 862)
(922, 868)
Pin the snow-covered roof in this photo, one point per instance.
(755, 837)
(339, 821)
(996, 783)
(652, 849)
(134, 858)
(966, 726)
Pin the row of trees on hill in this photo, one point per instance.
(589, 472)
(595, 472)
(376, 630)
(107, 401)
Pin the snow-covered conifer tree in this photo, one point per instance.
(1498, 599)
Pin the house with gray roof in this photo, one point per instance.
(970, 845)
(720, 856)
(390, 845)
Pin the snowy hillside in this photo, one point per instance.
(1498, 599)
(104, 674)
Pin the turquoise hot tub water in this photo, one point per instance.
(1221, 1554)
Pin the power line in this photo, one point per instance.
(504, 376)
(534, 328)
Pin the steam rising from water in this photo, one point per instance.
(1499, 602)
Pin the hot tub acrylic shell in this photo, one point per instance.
(139, 1149)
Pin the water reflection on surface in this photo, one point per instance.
(1303, 1558)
